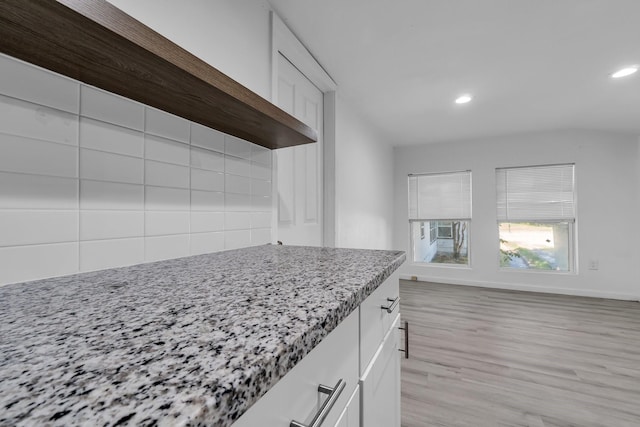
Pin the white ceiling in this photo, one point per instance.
(530, 64)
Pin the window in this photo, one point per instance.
(444, 229)
(441, 202)
(536, 216)
(433, 231)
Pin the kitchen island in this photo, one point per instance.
(189, 341)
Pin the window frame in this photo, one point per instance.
(571, 249)
(450, 227)
(433, 232)
(432, 221)
(413, 238)
(572, 229)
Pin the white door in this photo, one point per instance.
(299, 169)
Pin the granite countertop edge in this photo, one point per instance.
(317, 332)
(187, 341)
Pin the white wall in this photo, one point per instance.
(607, 186)
(234, 36)
(423, 249)
(231, 35)
(364, 183)
(90, 180)
(47, 234)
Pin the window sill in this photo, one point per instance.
(530, 271)
(447, 266)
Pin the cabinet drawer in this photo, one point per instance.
(375, 322)
(380, 384)
(296, 396)
(350, 416)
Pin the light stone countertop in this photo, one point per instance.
(189, 341)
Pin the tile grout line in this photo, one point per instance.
(79, 186)
(245, 200)
(190, 251)
(144, 183)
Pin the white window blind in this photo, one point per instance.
(536, 193)
(445, 196)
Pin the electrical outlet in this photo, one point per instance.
(593, 264)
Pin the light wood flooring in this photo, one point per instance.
(482, 357)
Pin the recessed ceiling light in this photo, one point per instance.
(627, 71)
(463, 99)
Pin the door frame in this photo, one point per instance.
(285, 43)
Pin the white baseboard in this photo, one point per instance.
(523, 287)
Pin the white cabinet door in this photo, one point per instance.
(299, 169)
(350, 417)
(380, 384)
(375, 322)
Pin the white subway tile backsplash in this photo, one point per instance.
(102, 166)
(166, 199)
(24, 155)
(260, 219)
(18, 227)
(205, 137)
(260, 236)
(207, 180)
(22, 263)
(237, 184)
(207, 221)
(30, 83)
(91, 180)
(205, 159)
(99, 225)
(261, 203)
(260, 188)
(101, 254)
(237, 202)
(22, 191)
(259, 171)
(237, 220)
(38, 122)
(237, 239)
(166, 150)
(166, 175)
(111, 108)
(237, 166)
(111, 138)
(207, 201)
(237, 147)
(166, 247)
(166, 125)
(158, 223)
(204, 243)
(111, 195)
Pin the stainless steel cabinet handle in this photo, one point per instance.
(406, 339)
(394, 304)
(334, 393)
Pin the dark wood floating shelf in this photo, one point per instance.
(96, 43)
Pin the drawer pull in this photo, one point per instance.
(334, 393)
(394, 304)
(406, 340)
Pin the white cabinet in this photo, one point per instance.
(363, 352)
(350, 417)
(380, 384)
(380, 356)
(296, 397)
(376, 321)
